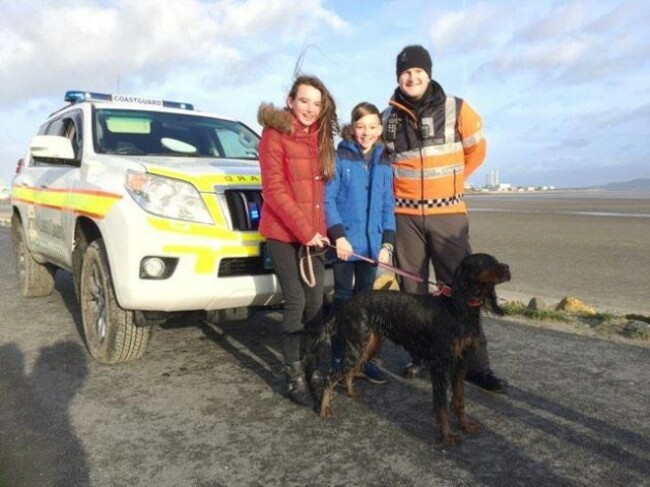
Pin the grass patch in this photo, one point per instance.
(517, 308)
(514, 308)
(637, 334)
(546, 314)
(602, 317)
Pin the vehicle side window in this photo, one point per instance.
(70, 131)
(68, 127)
(55, 127)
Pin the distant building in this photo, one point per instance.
(492, 179)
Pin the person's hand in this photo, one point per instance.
(343, 248)
(385, 256)
(318, 241)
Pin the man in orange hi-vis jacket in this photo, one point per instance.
(435, 141)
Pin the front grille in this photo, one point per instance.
(245, 207)
(242, 266)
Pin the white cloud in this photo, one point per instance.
(560, 20)
(465, 30)
(89, 46)
(538, 72)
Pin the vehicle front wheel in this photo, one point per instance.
(34, 279)
(112, 335)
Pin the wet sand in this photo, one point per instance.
(593, 246)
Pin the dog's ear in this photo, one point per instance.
(491, 300)
(465, 277)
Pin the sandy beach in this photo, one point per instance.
(590, 245)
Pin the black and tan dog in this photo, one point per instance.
(439, 329)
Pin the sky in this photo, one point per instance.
(563, 87)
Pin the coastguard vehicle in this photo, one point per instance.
(151, 205)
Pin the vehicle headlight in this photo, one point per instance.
(167, 197)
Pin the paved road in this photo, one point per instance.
(204, 408)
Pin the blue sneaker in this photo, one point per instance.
(373, 373)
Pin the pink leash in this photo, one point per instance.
(395, 270)
(309, 279)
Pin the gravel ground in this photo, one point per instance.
(204, 407)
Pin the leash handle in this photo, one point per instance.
(307, 275)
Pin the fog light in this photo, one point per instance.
(153, 267)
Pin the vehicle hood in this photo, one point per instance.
(207, 174)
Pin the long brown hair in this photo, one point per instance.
(327, 124)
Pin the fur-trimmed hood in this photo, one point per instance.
(347, 132)
(268, 115)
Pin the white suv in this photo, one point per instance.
(151, 205)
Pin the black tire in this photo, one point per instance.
(34, 279)
(111, 333)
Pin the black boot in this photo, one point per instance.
(297, 384)
(488, 381)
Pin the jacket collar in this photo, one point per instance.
(433, 96)
(353, 147)
(282, 120)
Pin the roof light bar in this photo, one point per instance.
(76, 96)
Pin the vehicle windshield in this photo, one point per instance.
(148, 133)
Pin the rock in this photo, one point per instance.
(636, 329)
(575, 306)
(537, 304)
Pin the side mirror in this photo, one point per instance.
(51, 147)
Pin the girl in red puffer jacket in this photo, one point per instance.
(296, 155)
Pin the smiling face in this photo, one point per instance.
(413, 82)
(366, 131)
(306, 106)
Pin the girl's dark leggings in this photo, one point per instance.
(302, 304)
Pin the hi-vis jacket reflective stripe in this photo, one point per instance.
(433, 155)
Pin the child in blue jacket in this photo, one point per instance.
(359, 209)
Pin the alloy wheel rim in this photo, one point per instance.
(98, 309)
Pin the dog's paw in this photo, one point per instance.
(471, 426)
(450, 439)
(325, 412)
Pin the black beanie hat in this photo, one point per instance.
(413, 57)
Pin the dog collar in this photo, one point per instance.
(475, 302)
